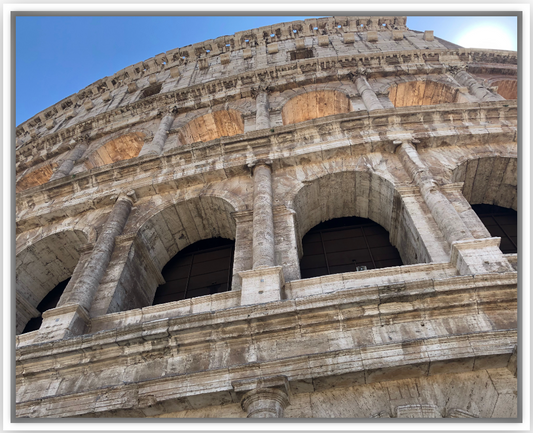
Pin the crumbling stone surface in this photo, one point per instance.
(258, 137)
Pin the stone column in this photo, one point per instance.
(263, 283)
(85, 287)
(368, 95)
(262, 115)
(469, 255)
(265, 403)
(288, 243)
(155, 147)
(474, 87)
(264, 397)
(263, 217)
(442, 210)
(66, 166)
(71, 315)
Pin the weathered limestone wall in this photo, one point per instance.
(258, 137)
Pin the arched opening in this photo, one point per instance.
(500, 222)
(41, 268)
(315, 104)
(49, 301)
(124, 147)
(222, 123)
(36, 177)
(422, 92)
(507, 88)
(346, 245)
(489, 180)
(203, 268)
(367, 196)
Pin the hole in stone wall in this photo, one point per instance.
(425, 92)
(305, 53)
(203, 268)
(151, 91)
(347, 244)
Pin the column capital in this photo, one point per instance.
(262, 87)
(127, 195)
(259, 162)
(359, 72)
(263, 397)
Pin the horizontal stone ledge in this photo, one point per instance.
(288, 312)
(418, 54)
(306, 373)
(183, 160)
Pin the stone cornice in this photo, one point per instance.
(190, 161)
(375, 63)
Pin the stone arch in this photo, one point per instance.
(125, 146)
(362, 194)
(212, 125)
(346, 88)
(314, 104)
(41, 266)
(425, 91)
(174, 226)
(489, 180)
(36, 177)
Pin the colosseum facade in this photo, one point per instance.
(313, 219)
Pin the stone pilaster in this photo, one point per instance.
(474, 87)
(242, 258)
(66, 166)
(71, 316)
(24, 312)
(262, 115)
(263, 217)
(265, 281)
(368, 95)
(469, 255)
(288, 244)
(263, 398)
(155, 147)
(443, 212)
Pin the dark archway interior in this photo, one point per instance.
(500, 222)
(203, 268)
(49, 301)
(346, 245)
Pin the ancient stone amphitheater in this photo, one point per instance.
(314, 219)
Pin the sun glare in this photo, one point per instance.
(488, 37)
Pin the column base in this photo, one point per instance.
(479, 256)
(63, 322)
(261, 285)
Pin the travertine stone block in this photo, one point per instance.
(225, 58)
(428, 35)
(247, 53)
(300, 43)
(272, 48)
(372, 36)
(397, 35)
(323, 41)
(89, 105)
(349, 38)
(174, 72)
(132, 87)
(261, 285)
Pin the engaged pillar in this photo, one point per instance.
(155, 147)
(264, 282)
(71, 315)
(474, 87)
(66, 166)
(262, 115)
(469, 255)
(368, 95)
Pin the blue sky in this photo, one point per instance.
(58, 56)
